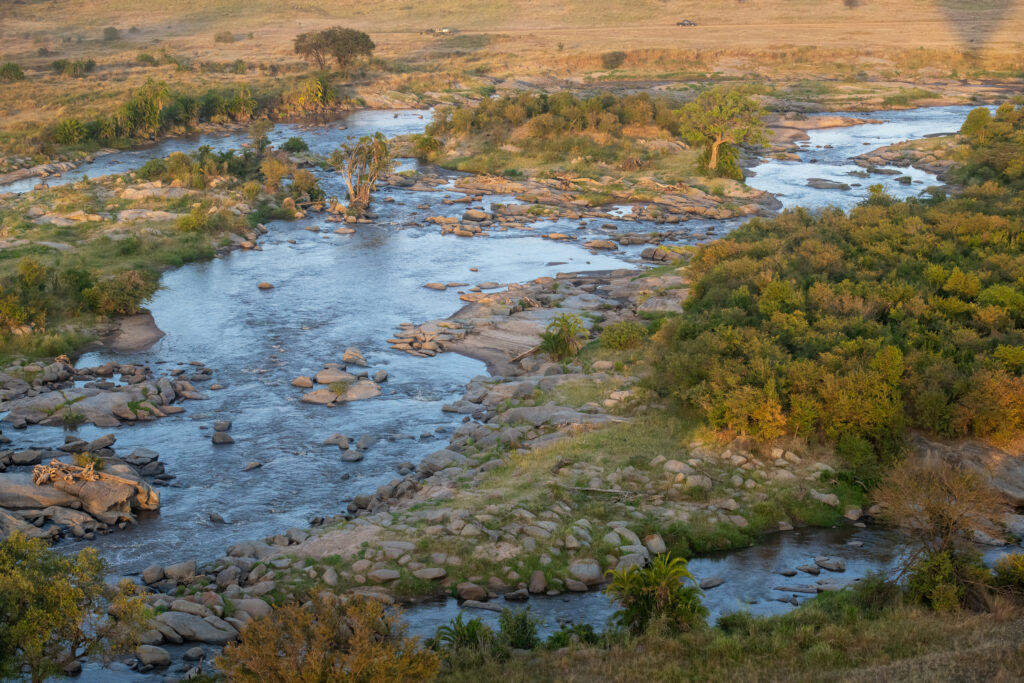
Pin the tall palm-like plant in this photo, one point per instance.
(361, 164)
(657, 591)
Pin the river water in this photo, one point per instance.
(333, 291)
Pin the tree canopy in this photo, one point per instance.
(54, 609)
(361, 164)
(718, 120)
(344, 45)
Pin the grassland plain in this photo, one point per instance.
(869, 55)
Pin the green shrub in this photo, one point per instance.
(224, 37)
(657, 592)
(572, 634)
(933, 581)
(111, 33)
(154, 169)
(1009, 572)
(623, 335)
(75, 69)
(518, 629)
(562, 339)
(239, 66)
(124, 293)
(295, 145)
(305, 183)
(69, 132)
(426, 147)
(146, 58)
(613, 60)
(463, 635)
(9, 71)
(251, 190)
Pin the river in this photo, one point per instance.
(333, 291)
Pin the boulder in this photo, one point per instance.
(538, 582)
(211, 630)
(181, 572)
(151, 655)
(471, 591)
(354, 356)
(254, 607)
(222, 438)
(17, 492)
(587, 571)
(152, 573)
(430, 573)
(302, 382)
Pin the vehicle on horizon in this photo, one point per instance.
(686, 22)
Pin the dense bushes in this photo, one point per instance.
(657, 592)
(10, 72)
(996, 143)
(853, 327)
(623, 335)
(73, 69)
(327, 640)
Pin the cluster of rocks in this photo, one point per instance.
(904, 154)
(59, 394)
(342, 386)
(428, 339)
(79, 508)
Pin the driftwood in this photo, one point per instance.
(101, 493)
(613, 492)
(526, 353)
(58, 471)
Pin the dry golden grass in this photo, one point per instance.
(534, 42)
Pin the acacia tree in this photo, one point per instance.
(344, 45)
(719, 120)
(361, 164)
(54, 609)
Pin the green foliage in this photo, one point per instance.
(124, 293)
(562, 338)
(73, 69)
(239, 66)
(657, 592)
(613, 60)
(111, 33)
(69, 132)
(305, 184)
(1009, 572)
(224, 37)
(426, 148)
(344, 45)
(295, 145)
(316, 93)
(146, 58)
(463, 635)
(939, 580)
(10, 72)
(623, 335)
(719, 120)
(995, 144)
(518, 629)
(361, 163)
(54, 609)
(855, 326)
(572, 634)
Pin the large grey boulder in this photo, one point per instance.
(191, 627)
(17, 492)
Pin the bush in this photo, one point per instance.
(517, 629)
(657, 592)
(426, 148)
(111, 33)
(154, 169)
(463, 635)
(54, 609)
(224, 37)
(328, 640)
(124, 293)
(1009, 572)
(251, 190)
(295, 145)
(572, 634)
(239, 66)
(146, 58)
(561, 339)
(613, 60)
(623, 335)
(69, 132)
(274, 171)
(75, 69)
(9, 71)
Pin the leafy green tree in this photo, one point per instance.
(258, 135)
(56, 609)
(361, 164)
(344, 45)
(719, 120)
(976, 124)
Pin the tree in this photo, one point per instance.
(345, 45)
(54, 609)
(327, 640)
(719, 120)
(976, 124)
(361, 164)
(258, 135)
(313, 45)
